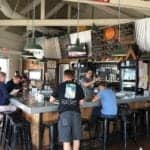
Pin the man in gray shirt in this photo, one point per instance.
(87, 83)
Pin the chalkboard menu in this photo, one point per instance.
(102, 47)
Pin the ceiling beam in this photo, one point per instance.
(55, 10)
(144, 12)
(69, 17)
(111, 11)
(8, 11)
(42, 9)
(29, 7)
(63, 22)
(114, 3)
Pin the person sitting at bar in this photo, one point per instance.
(4, 96)
(70, 96)
(107, 99)
(14, 85)
(87, 83)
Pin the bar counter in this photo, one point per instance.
(37, 113)
(34, 107)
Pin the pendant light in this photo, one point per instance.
(78, 49)
(31, 44)
(26, 54)
(119, 51)
(78, 17)
(94, 27)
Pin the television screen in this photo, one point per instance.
(35, 75)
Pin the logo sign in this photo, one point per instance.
(104, 1)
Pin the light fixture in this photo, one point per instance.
(94, 28)
(78, 49)
(26, 54)
(31, 45)
(119, 51)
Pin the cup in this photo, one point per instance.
(39, 97)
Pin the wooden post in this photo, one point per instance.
(42, 9)
(69, 17)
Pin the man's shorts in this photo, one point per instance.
(69, 126)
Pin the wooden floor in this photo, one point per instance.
(117, 144)
(114, 144)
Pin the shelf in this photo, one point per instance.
(113, 81)
(128, 67)
(128, 80)
(107, 62)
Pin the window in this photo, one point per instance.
(4, 64)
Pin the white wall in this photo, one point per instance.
(12, 43)
(14, 61)
(11, 40)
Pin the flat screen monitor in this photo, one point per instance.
(35, 75)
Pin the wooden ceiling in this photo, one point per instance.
(58, 9)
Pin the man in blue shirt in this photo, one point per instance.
(107, 100)
(4, 96)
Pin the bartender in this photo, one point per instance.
(87, 83)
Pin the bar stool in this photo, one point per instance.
(3, 129)
(86, 122)
(5, 126)
(18, 129)
(136, 114)
(53, 134)
(106, 119)
(124, 112)
(146, 112)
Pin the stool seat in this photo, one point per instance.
(49, 123)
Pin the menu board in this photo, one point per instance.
(102, 47)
